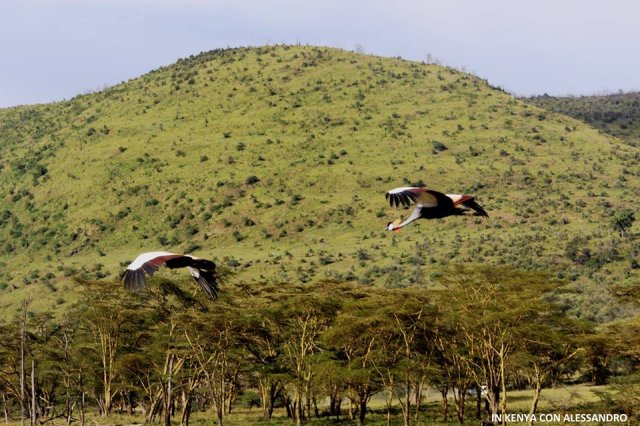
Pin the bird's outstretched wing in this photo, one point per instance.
(134, 276)
(423, 197)
(202, 270)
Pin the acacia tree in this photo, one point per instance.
(546, 349)
(623, 220)
(259, 333)
(454, 368)
(303, 319)
(66, 361)
(623, 339)
(331, 381)
(410, 324)
(492, 309)
(355, 339)
(10, 368)
(30, 370)
(211, 338)
(153, 370)
(407, 347)
(110, 320)
(52, 347)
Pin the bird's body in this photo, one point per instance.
(202, 270)
(430, 204)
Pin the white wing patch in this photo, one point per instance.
(398, 190)
(406, 195)
(145, 257)
(194, 272)
(454, 197)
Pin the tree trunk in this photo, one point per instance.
(478, 402)
(154, 407)
(219, 412)
(82, 410)
(362, 411)
(445, 403)
(299, 408)
(288, 407)
(273, 394)
(493, 400)
(33, 392)
(264, 395)
(186, 409)
(307, 394)
(168, 397)
(460, 403)
(418, 397)
(332, 404)
(22, 374)
(407, 401)
(503, 384)
(315, 407)
(4, 408)
(106, 406)
(536, 394)
(296, 412)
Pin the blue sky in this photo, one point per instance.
(55, 49)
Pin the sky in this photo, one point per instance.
(52, 50)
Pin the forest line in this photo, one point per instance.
(478, 334)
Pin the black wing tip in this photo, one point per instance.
(402, 198)
(481, 211)
(391, 198)
(477, 208)
(134, 280)
(209, 284)
(204, 272)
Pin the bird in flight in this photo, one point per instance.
(430, 204)
(202, 270)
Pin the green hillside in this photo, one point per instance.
(275, 161)
(617, 114)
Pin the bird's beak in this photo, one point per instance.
(393, 226)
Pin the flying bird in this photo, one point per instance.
(430, 204)
(202, 270)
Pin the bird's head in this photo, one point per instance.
(393, 226)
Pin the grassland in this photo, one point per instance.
(557, 401)
(274, 161)
(561, 400)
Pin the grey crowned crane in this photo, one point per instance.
(202, 270)
(430, 204)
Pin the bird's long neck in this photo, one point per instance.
(415, 215)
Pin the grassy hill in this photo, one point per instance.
(275, 161)
(617, 114)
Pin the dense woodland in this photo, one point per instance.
(318, 350)
(616, 114)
